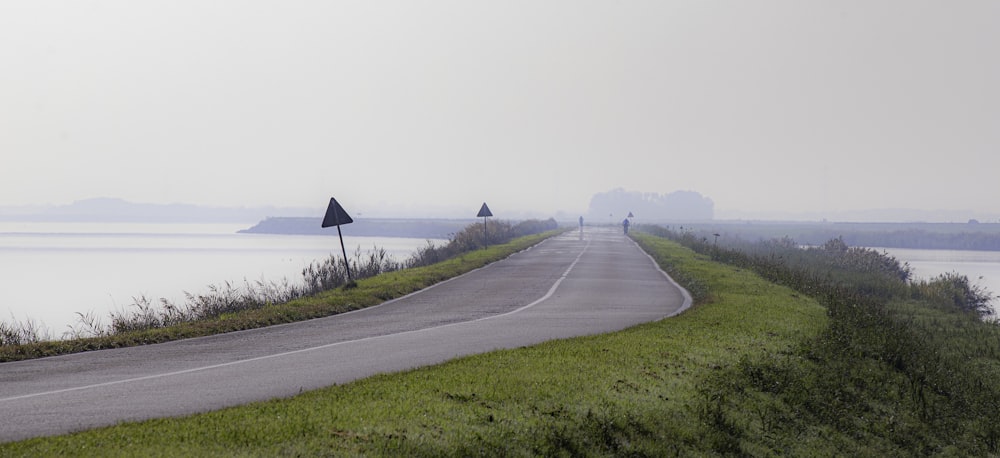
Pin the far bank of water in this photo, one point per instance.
(49, 272)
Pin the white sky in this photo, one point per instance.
(762, 106)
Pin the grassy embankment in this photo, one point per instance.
(887, 368)
(639, 390)
(904, 368)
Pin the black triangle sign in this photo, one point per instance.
(335, 215)
(484, 211)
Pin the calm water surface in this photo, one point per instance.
(51, 271)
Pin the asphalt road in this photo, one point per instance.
(575, 284)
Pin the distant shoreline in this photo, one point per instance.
(929, 236)
(371, 227)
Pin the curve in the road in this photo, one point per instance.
(567, 286)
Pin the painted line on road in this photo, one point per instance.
(547, 295)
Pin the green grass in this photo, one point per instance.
(902, 369)
(639, 391)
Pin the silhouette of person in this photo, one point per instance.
(625, 225)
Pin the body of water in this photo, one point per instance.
(49, 272)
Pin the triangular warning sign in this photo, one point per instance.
(335, 215)
(484, 211)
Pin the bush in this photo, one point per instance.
(955, 290)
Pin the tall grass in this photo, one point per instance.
(227, 298)
(908, 368)
(22, 332)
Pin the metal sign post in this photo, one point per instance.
(484, 212)
(336, 216)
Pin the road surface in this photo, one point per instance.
(575, 284)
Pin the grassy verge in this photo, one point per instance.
(904, 368)
(364, 293)
(639, 391)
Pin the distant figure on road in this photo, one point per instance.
(581, 223)
(625, 225)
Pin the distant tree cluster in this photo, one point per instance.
(675, 206)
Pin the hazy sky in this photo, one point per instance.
(762, 106)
